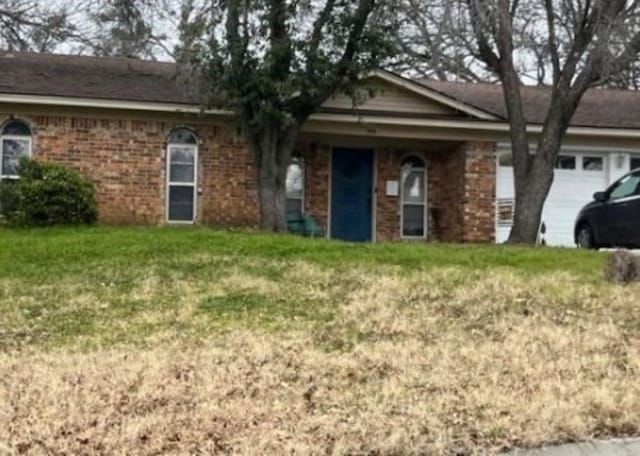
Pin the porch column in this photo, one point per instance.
(479, 192)
(463, 196)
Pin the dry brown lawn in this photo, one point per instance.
(405, 361)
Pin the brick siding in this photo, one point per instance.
(126, 160)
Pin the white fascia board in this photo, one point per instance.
(498, 127)
(43, 100)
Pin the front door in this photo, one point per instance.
(351, 194)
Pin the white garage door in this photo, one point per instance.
(577, 177)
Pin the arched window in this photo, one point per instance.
(413, 215)
(295, 189)
(182, 171)
(15, 143)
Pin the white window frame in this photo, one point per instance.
(193, 184)
(14, 138)
(405, 172)
(300, 162)
(592, 155)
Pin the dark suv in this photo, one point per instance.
(612, 219)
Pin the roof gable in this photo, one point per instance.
(391, 95)
(381, 96)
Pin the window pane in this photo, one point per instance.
(181, 203)
(181, 173)
(294, 207)
(592, 164)
(182, 155)
(12, 150)
(505, 160)
(413, 187)
(635, 162)
(16, 129)
(413, 221)
(626, 187)
(295, 181)
(413, 161)
(566, 162)
(182, 136)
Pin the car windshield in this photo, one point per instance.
(627, 186)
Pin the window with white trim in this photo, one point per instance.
(566, 162)
(182, 170)
(295, 189)
(413, 202)
(15, 143)
(592, 163)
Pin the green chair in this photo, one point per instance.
(311, 227)
(295, 223)
(304, 224)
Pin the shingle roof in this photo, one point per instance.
(607, 108)
(90, 77)
(145, 81)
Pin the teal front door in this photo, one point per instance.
(351, 194)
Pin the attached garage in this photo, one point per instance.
(578, 175)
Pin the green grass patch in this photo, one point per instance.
(106, 285)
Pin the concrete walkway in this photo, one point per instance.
(618, 447)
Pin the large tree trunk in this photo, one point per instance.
(532, 189)
(533, 174)
(272, 149)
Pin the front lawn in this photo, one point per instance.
(135, 340)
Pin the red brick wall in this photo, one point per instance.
(463, 194)
(479, 192)
(126, 160)
(228, 180)
(446, 172)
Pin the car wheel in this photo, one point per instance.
(585, 238)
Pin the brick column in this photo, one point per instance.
(479, 192)
(463, 193)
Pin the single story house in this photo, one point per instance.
(419, 160)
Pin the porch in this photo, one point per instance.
(375, 190)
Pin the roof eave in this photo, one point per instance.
(497, 126)
(127, 105)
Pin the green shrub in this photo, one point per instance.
(47, 194)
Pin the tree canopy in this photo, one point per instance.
(274, 63)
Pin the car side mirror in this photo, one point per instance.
(600, 197)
